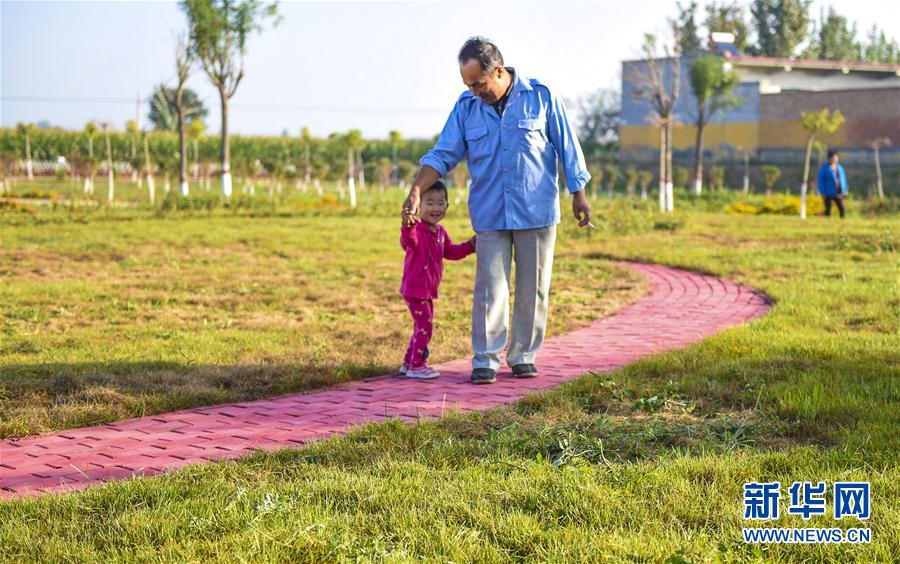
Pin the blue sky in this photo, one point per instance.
(331, 66)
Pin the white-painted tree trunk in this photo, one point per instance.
(167, 184)
(698, 185)
(29, 168)
(352, 188)
(803, 200)
(184, 188)
(111, 185)
(746, 185)
(226, 184)
(319, 188)
(151, 189)
(87, 185)
(670, 196)
(662, 196)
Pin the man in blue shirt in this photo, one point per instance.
(512, 131)
(833, 183)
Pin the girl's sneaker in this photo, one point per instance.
(422, 373)
(403, 369)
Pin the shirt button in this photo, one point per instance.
(503, 126)
(504, 148)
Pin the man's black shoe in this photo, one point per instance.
(484, 376)
(524, 371)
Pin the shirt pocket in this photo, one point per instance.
(532, 134)
(477, 145)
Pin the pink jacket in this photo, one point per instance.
(426, 250)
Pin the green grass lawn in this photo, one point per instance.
(642, 464)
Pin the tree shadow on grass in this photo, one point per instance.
(40, 398)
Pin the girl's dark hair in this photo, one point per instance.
(437, 186)
(831, 154)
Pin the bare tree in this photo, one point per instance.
(657, 82)
(184, 62)
(876, 145)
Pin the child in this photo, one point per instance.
(426, 244)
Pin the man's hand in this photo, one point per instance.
(411, 208)
(581, 208)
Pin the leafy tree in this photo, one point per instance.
(645, 177)
(598, 122)
(689, 39)
(713, 89)
(90, 131)
(184, 62)
(717, 177)
(729, 18)
(835, 40)
(164, 115)
(631, 178)
(613, 174)
(876, 145)
(219, 30)
(682, 176)
(780, 25)
(823, 121)
(771, 174)
(879, 49)
(395, 139)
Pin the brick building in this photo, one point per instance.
(767, 122)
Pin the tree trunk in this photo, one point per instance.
(662, 167)
(350, 181)
(747, 174)
(109, 167)
(29, 168)
(670, 191)
(878, 182)
(183, 187)
(319, 187)
(148, 170)
(225, 156)
(809, 144)
(698, 158)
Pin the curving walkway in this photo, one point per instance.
(682, 308)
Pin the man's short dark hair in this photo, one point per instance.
(486, 53)
(437, 187)
(832, 154)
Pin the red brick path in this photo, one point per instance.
(682, 308)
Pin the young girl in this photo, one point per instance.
(427, 245)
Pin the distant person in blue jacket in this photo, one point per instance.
(833, 183)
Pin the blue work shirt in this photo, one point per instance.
(512, 160)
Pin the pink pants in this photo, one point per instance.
(423, 324)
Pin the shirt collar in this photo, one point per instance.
(520, 82)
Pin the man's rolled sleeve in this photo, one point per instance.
(450, 147)
(567, 147)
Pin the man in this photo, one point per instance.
(833, 183)
(512, 130)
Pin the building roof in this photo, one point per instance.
(846, 66)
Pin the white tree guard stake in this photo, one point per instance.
(226, 184)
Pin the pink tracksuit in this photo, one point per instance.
(426, 248)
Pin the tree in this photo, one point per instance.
(195, 131)
(90, 131)
(717, 177)
(880, 49)
(645, 177)
(26, 130)
(771, 174)
(612, 173)
(395, 140)
(184, 61)
(353, 141)
(219, 30)
(835, 40)
(713, 89)
(729, 18)
(823, 121)
(148, 168)
(780, 25)
(109, 165)
(598, 122)
(631, 178)
(133, 132)
(689, 39)
(306, 140)
(163, 113)
(658, 83)
(876, 145)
